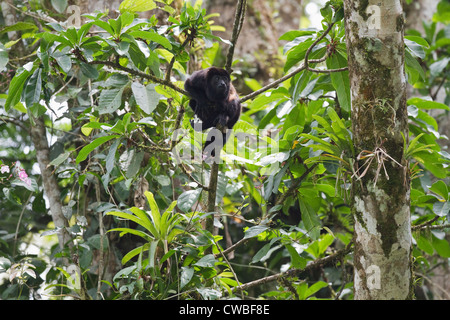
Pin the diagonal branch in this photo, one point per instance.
(294, 272)
(140, 74)
(304, 66)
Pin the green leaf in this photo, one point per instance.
(297, 53)
(296, 261)
(310, 219)
(207, 261)
(17, 84)
(419, 40)
(33, 89)
(89, 71)
(20, 26)
(126, 19)
(137, 5)
(124, 273)
(134, 164)
(340, 80)
(186, 276)
(315, 288)
(254, 231)
(105, 26)
(441, 209)
(139, 233)
(415, 48)
(151, 254)
(413, 68)
(440, 188)
(187, 199)
(437, 67)
(110, 100)
(262, 253)
(110, 158)
(84, 152)
(60, 159)
(63, 60)
(442, 246)
(144, 221)
(293, 34)
(146, 96)
(427, 104)
(59, 5)
(152, 36)
(130, 255)
(432, 163)
(155, 214)
(322, 145)
(296, 118)
(325, 242)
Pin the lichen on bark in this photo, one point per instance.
(379, 123)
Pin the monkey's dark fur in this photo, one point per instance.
(213, 99)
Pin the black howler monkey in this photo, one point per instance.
(213, 99)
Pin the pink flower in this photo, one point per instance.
(4, 169)
(24, 177)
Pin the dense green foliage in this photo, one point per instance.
(110, 92)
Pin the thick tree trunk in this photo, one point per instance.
(381, 203)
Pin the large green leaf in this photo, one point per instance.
(20, 26)
(186, 276)
(86, 150)
(413, 68)
(130, 255)
(254, 231)
(187, 199)
(340, 80)
(132, 231)
(110, 100)
(440, 188)
(33, 89)
(146, 96)
(296, 260)
(137, 5)
(89, 71)
(155, 214)
(427, 104)
(441, 246)
(310, 219)
(17, 84)
(152, 36)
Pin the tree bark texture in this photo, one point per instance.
(381, 201)
(51, 188)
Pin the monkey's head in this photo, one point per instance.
(218, 84)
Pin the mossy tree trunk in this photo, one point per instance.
(381, 202)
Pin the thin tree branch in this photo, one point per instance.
(233, 247)
(294, 272)
(229, 265)
(306, 63)
(172, 61)
(295, 184)
(304, 66)
(273, 84)
(212, 190)
(237, 26)
(140, 74)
